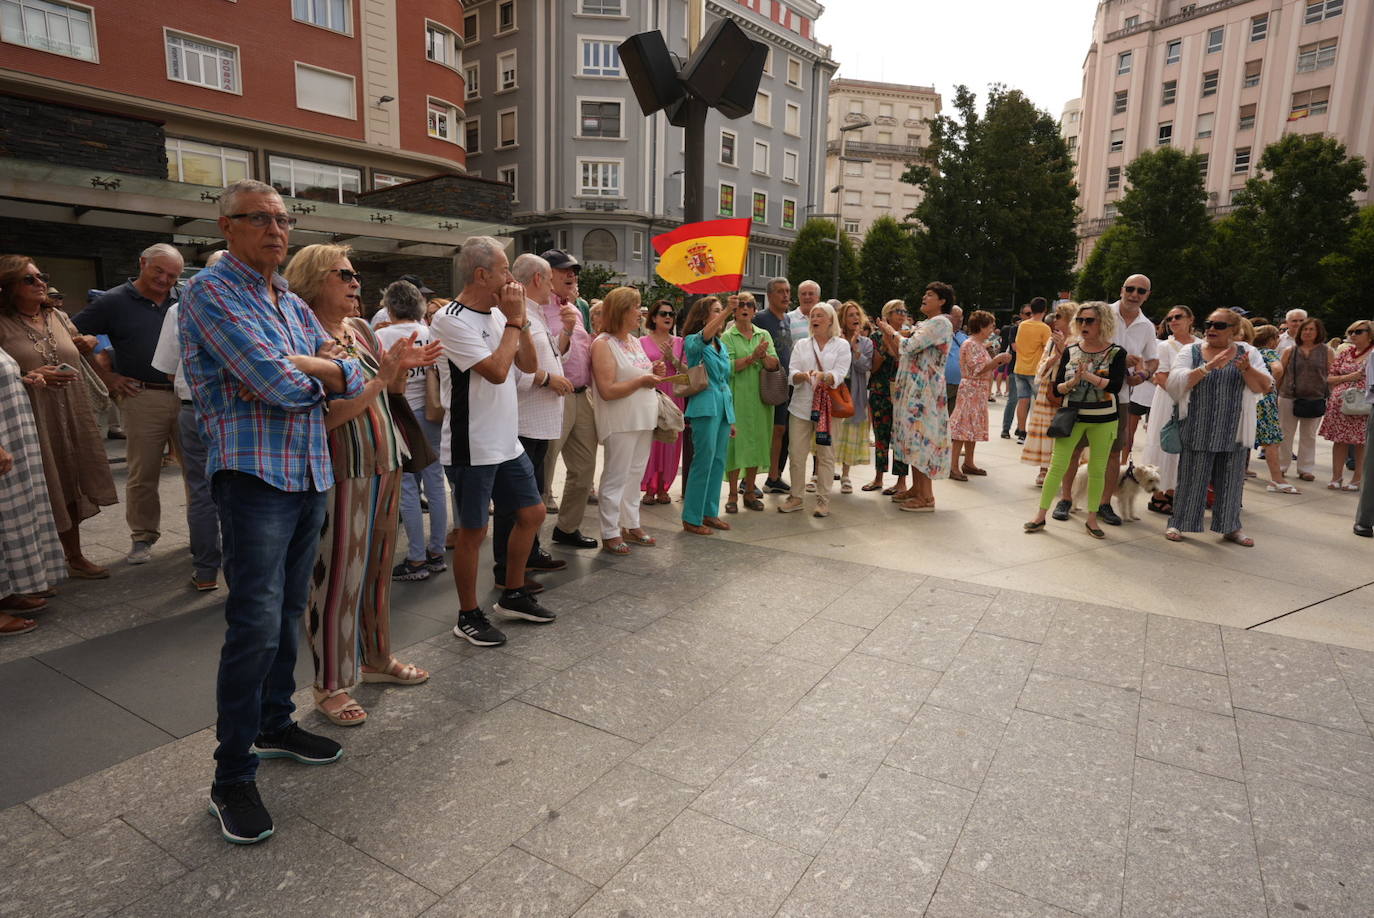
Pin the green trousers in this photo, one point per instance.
(1100, 438)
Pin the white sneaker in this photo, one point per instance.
(141, 553)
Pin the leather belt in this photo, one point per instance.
(160, 386)
(188, 403)
(579, 390)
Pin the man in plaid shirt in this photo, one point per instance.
(260, 368)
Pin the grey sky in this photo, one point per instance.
(1032, 46)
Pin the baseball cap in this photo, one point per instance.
(557, 258)
(414, 280)
(53, 291)
(1240, 311)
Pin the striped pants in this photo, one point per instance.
(1225, 472)
(348, 621)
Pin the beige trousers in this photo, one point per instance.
(150, 421)
(801, 442)
(578, 448)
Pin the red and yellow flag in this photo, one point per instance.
(705, 257)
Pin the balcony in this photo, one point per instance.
(863, 148)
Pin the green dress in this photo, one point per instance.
(752, 443)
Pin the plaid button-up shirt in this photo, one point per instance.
(234, 339)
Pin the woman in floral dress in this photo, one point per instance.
(968, 425)
(881, 377)
(1268, 430)
(920, 426)
(1346, 432)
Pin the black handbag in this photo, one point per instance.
(1063, 422)
(421, 453)
(1309, 407)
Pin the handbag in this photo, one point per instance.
(421, 453)
(1062, 423)
(841, 401)
(1353, 403)
(1171, 434)
(434, 402)
(671, 422)
(1309, 407)
(696, 376)
(773, 388)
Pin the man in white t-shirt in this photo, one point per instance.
(1292, 321)
(485, 334)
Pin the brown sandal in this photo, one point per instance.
(716, 522)
(698, 530)
(336, 716)
(83, 569)
(956, 475)
(13, 624)
(18, 602)
(396, 673)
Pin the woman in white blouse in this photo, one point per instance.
(821, 360)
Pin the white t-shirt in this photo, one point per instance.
(167, 356)
(481, 417)
(378, 317)
(1139, 340)
(415, 379)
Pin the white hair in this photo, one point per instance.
(809, 283)
(477, 252)
(229, 197)
(160, 250)
(1292, 314)
(526, 266)
(214, 257)
(830, 311)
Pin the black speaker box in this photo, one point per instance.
(651, 71)
(726, 68)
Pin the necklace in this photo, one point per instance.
(44, 344)
(349, 345)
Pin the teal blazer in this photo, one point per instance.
(716, 400)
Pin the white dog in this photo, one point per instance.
(1136, 480)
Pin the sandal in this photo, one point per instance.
(396, 673)
(731, 506)
(716, 522)
(888, 492)
(83, 569)
(1305, 476)
(1240, 538)
(1173, 535)
(694, 528)
(872, 486)
(1352, 486)
(638, 536)
(1096, 533)
(648, 500)
(1033, 526)
(1335, 485)
(1162, 505)
(957, 475)
(846, 486)
(615, 548)
(753, 503)
(339, 714)
(916, 505)
(1040, 479)
(974, 470)
(1282, 488)
(13, 624)
(18, 602)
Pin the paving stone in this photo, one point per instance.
(865, 687)
(963, 896)
(1181, 642)
(1097, 644)
(864, 606)
(949, 746)
(700, 866)
(1080, 701)
(23, 832)
(1290, 678)
(1357, 668)
(95, 874)
(1190, 739)
(821, 641)
(1190, 688)
(515, 883)
(986, 678)
(1023, 616)
(1050, 820)
(1192, 850)
(598, 831)
(929, 637)
(400, 720)
(763, 607)
(561, 644)
(1313, 849)
(301, 871)
(626, 612)
(482, 682)
(886, 857)
(594, 586)
(39, 641)
(1319, 756)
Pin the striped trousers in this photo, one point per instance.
(1225, 472)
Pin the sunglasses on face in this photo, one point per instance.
(665, 315)
(260, 219)
(1360, 331)
(33, 280)
(1176, 318)
(1219, 326)
(346, 275)
(1140, 290)
(1085, 320)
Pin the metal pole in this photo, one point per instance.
(694, 181)
(839, 216)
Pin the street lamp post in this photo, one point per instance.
(839, 197)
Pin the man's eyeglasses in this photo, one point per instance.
(260, 219)
(33, 280)
(1141, 290)
(1219, 326)
(1085, 320)
(346, 275)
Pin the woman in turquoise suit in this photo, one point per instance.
(711, 412)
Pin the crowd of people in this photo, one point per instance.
(310, 437)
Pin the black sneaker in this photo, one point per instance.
(407, 570)
(435, 563)
(1006, 435)
(243, 820)
(776, 486)
(1021, 438)
(543, 561)
(521, 604)
(295, 743)
(474, 628)
(1106, 514)
(1061, 510)
(574, 539)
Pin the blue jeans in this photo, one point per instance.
(432, 478)
(271, 539)
(701, 494)
(202, 519)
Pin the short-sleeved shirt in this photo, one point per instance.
(1031, 336)
(953, 371)
(481, 419)
(134, 324)
(167, 356)
(1140, 339)
(415, 379)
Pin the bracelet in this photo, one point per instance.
(514, 326)
(545, 383)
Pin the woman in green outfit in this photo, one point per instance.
(751, 349)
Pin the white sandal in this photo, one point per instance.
(1282, 488)
(846, 487)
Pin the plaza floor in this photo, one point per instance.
(874, 714)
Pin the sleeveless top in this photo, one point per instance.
(636, 411)
(1214, 407)
(1306, 376)
(369, 444)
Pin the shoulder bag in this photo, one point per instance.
(773, 388)
(696, 376)
(841, 402)
(1171, 434)
(1353, 403)
(670, 421)
(434, 402)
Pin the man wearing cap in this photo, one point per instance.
(132, 316)
(578, 442)
(380, 315)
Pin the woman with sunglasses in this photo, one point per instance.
(1217, 384)
(712, 413)
(41, 340)
(1178, 334)
(1346, 432)
(349, 618)
(1039, 446)
(880, 379)
(751, 348)
(661, 345)
(1090, 372)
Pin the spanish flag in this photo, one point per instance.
(705, 257)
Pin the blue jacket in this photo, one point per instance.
(716, 400)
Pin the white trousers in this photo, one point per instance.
(1306, 431)
(622, 468)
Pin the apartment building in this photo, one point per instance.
(1224, 79)
(551, 111)
(120, 121)
(861, 192)
(1071, 124)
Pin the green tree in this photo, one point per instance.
(1223, 266)
(885, 263)
(1164, 211)
(1352, 297)
(595, 281)
(812, 257)
(1108, 265)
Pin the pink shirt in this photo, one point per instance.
(577, 362)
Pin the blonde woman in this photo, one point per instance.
(1039, 447)
(851, 434)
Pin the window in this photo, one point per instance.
(637, 245)
(442, 120)
(1316, 56)
(192, 60)
(768, 62)
(791, 165)
(599, 119)
(726, 205)
(916, 112)
(789, 213)
(882, 170)
(727, 148)
(1205, 123)
(1242, 161)
(1252, 74)
(327, 14)
(770, 264)
(763, 108)
(760, 209)
(1119, 102)
(599, 178)
(470, 36)
(882, 199)
(851, 227)
(388, 179)
(472, 135)
(505, 17)
(1210, 79)
(1259, 27)
(55, 27)
(1311, 102)
(1123, 63)
(1173, 51)
(1072, 143)
(314, 181)
(856, 107)
(600, 245)
(1170, 93)
(884, 137)
(600, 58)
(1111, 211)
(1215, 37)
(854, 169)
(472, 81)
(505, 128)
(909, 202)
(1245, 121)
(505, 71)
(1165, 135)
(1317, 10)
(794, 72)
(508, 175)
(1203, 160)
(319, 90)
(1113, 178)
(1117, 141)
(791, 122)
(204, 164)
(441, 45)
(602, 8)
(1131, 22)
(853, 198)
(761, 157)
